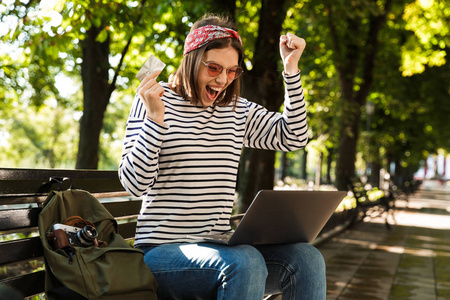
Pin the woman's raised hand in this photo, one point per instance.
(291, 49)
(150, 92)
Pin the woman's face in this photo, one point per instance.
(210, 87)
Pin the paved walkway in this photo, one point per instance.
(410, 261)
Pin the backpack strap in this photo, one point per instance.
(60, 181)
(77, 221)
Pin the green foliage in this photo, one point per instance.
(392, 136)
(39, 138)
(429, 21)
(409, 120)
(48, 40)
(247, 19)
(113, 132)
(41, 54)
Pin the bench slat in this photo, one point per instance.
(127, 230)
(18, 173)
(38, 198)
(123, 208)
(20, 250)
(31, 181)
(29, 284)
(12, 219)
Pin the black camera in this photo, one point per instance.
(65, 235)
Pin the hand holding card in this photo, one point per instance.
(150, 91)
(151, 65)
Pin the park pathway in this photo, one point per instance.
(410, 261)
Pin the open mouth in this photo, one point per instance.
(212, 92)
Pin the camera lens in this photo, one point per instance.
(87, 235)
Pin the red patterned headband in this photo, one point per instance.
(203, 35)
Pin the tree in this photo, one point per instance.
(354, 34)
(42, 138)
(429, 21)
(101, 46)
(264, 86)
(410, 91)
(358, 55)
(319, 84)
(95, 68)
(104, 42)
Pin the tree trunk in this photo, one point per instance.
(96, 92)
(263, 85)
(349, 134)
(303, 165)
(374, 179)
(283, 165)
(398, 174)
(329, 162)
(227, 7)
(318, 175)
(347, 62)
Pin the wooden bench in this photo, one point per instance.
(384, 206)
(22, 192)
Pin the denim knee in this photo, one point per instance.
(296, 270)
(308, 263)
(249, 265)
(314, 257)
(310, 271)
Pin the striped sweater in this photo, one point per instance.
(186, 169)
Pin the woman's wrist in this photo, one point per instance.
(156, 118)
(291, 72)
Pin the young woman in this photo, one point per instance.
(181, 153)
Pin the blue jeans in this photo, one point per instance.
(214, 271)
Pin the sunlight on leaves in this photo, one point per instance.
(428, 20)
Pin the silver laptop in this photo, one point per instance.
(281, 217)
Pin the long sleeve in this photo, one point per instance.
(138, 167)
(287, 131)
(186, 170)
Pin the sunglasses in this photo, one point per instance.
(215, 70)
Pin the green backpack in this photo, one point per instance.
(114, 270)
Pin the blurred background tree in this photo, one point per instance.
(375, 76)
